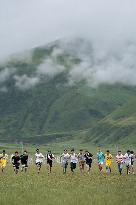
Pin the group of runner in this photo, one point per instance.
(128, 159)
(86, 158)
(83, 158)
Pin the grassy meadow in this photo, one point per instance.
(57, 189)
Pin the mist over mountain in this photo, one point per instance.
(67, 87)
(80, 60)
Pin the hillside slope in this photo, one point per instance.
(117, 127)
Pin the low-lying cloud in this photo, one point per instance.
(110, 68)
(3, 89)
(50, 66)
(6, 73)
(93, 67)
(25, 82)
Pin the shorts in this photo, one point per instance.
(16, 165)
(73, 165)
(100, 163)
(128, 165)
(24, 165)
(49, 163)
(89, 164)
(39, 164)
(108, 164)
(81, 162)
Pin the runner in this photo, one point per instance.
(38, 160)
(24, 161)
(132, 161)
(64, 160)
(16, 162)
(120, 160)
(73, 161)
(81, 160)
(88, 159)
(127, 158)
(108, 161)
(50, 158)
(3, 160)
(100, 159)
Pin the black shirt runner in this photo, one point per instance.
(24, 159)
(15, 160)
(88, 159)
(50, 157)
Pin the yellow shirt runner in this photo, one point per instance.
(108, 160)
(3, 160)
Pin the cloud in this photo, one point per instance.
(50, 66)
(4, 89)
(108, 24)
(94, 67)
(107, 68)
(26, 24)
(25, 56)
(6, 73)
(25, 82)
(80, 72)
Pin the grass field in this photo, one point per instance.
(58, 189)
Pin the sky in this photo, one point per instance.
(29, 23)
(108, 24)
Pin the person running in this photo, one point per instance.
(100, 159)
(64, 160)
(81, 160)
(50, 158)
(120, 161)
(88, 158)
(73, 161)
(16, 162)
(132, 161)
(3, 160)
(127, 159)
(38, 160)
(24, 161)
(108, 161)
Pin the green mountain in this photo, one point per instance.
(119, 126)
(39, 104)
